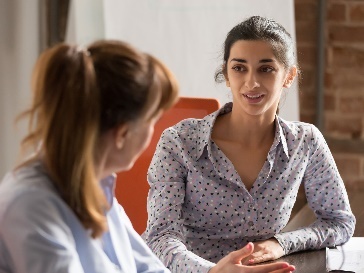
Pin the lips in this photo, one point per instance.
(253, 98)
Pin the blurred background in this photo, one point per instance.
(188, 36)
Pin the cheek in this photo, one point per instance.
(149, 135)
(236, 79)
(273, 83)
(235, 85)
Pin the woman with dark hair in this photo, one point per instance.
(232, 178)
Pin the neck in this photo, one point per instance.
(101, 159)
(100, 171)
(248, 130)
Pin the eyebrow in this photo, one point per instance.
(244, 61)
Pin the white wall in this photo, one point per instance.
(188, 36)
(86, 21)
(18, 51)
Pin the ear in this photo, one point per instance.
(224, 72)
(290, 77)
(120, 135)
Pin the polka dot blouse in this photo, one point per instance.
(199, 209)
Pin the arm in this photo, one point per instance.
(327, 197)
(164, 233)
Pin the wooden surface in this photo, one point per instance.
(315, 261)
(308, 261)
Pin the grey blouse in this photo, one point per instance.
(199, 209)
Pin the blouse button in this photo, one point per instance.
(251, 206)
(250, 223)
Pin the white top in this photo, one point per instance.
(40, 233)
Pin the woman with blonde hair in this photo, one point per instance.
(92, 114)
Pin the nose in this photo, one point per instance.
(251, 81)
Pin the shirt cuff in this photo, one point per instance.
(282, 242)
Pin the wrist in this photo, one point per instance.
(212, 269)
(280, 241)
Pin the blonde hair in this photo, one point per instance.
(77, 95)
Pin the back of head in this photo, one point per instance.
(128, 82)
(80, 93)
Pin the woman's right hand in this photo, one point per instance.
(231, 263)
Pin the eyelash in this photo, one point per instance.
(242, 68)
(237, 68)
(271, 69)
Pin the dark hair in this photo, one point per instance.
(79, 93)
(261, 29)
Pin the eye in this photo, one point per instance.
(267, 69)
(238, 68)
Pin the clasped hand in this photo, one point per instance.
(264, 251)
(242, 260)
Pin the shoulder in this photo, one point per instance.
(302, 135)
(190, 136)
(28, 193)
(185, 127)
(191, 128)
(299, 129)
(186, 132)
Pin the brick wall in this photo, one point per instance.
(344, 80)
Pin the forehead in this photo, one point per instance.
(251, 50)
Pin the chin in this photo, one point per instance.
(123, 168)
(129, 166)
(125, 165)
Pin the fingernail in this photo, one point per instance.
(251, 261)
(249, 246)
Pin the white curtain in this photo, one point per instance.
(19, 48)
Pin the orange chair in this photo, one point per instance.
(132, 186)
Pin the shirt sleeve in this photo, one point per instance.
(164, 234)
(327, 197)
(36, 237)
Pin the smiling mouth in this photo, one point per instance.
(253, 97)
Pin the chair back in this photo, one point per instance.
(132, 186)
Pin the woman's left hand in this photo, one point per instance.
(264, 251)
